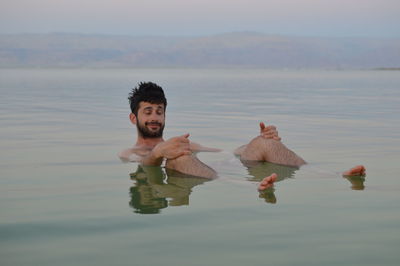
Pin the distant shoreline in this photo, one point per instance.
(236, 50)
(387, 68)
(228, 67)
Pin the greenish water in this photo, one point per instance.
(66, 199)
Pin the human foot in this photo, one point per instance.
(267, 182)
(358, 170)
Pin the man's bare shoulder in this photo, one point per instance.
(134, 154)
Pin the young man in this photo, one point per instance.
(148, 105)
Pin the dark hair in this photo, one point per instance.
(146, 92)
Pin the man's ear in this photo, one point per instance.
(132, 117)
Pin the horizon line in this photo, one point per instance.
(199, 35)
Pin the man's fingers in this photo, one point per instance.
(185, 135)
(270, 132)
(184, 152)
(264, 128)
(179, 153)
(184, 145)
(271, 127)
(271, 135)
(184, 138)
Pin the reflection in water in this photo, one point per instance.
(357, 182)
(153, 187)
(156, 189)
(259, 170)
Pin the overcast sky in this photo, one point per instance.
(337, 18)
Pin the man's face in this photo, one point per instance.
(150, 120)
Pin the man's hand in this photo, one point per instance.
(173, 147)
(269, 132)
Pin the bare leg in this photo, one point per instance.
(191, 165)
(269, 150)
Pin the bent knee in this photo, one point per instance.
(257, 149)
(260, 144)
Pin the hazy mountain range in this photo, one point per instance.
(244, 49)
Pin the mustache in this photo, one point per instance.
(152, 124)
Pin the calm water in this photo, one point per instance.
(66, 199)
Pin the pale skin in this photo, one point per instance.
(178, 151)
(270, 149)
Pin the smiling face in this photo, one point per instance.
(150, 120)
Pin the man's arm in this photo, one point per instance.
(170, 149)
(195, 147)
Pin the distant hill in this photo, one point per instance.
(225, 50)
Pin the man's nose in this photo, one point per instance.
(155, 117)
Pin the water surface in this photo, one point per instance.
(66, 199)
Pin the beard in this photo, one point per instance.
(148, 134)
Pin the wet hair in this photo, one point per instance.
(146, 92)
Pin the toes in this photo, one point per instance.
(267, 182)
(356, 170)
(359, 169)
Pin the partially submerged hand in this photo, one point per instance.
(269, 132)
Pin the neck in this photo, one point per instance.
(148, 142)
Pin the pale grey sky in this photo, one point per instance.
(343, 18)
